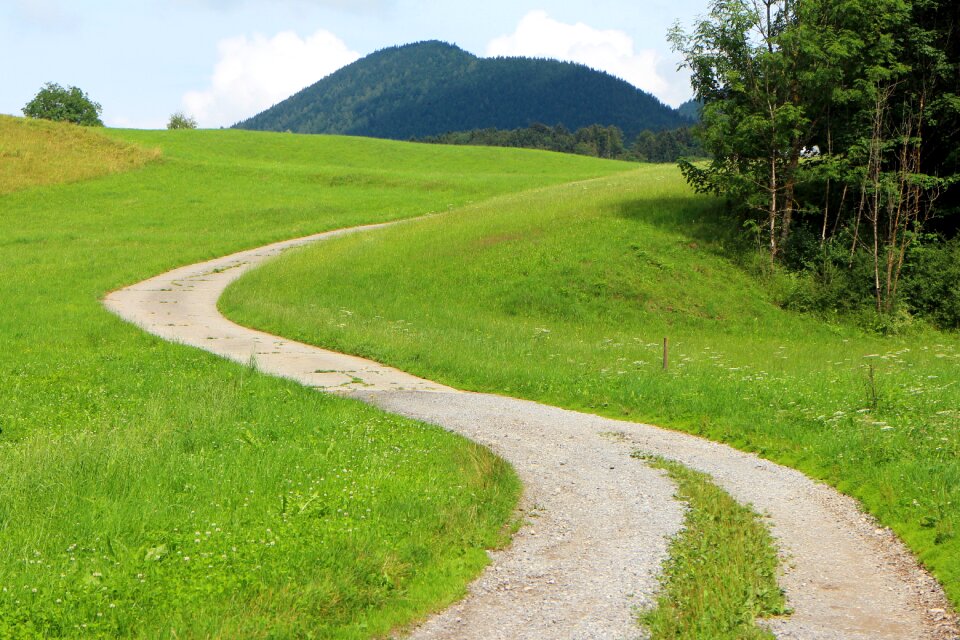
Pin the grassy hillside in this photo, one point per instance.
(565, 294)
(430, 88)
(38, 152)
(150, 489)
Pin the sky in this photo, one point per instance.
(221, 61)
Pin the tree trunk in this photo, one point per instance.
(774, 249)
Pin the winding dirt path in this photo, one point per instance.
(598, 521)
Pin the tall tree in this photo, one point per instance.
(751, 122)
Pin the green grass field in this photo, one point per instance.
(565, 294)
(154, 490)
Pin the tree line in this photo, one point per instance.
(599, 141)
(873, 85)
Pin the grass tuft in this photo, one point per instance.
(722, 571)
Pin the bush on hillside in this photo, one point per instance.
(180, 120)
(70, 104)
(833, 281)
(931, 282)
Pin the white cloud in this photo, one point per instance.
(255, 73)
(613, 51)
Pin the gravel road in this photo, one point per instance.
(597, 520)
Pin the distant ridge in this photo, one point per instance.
(431, 88)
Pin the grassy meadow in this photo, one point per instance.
(151, 489)
(564, 295)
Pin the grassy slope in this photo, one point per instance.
(565, 295)
(150, 488)
(38, 152)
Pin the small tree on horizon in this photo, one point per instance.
(70, 104)
(180, 120)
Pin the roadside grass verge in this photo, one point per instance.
(564, 295)
(151, 489)
(722, 572)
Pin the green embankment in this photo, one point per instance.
(565, 296)
(151, 489)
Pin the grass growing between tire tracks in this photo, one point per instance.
(564, 296)
(722, 571)
(151, 489)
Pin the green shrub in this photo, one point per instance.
(180, 120)
(831, 281)
(931, 282)
(54, 102)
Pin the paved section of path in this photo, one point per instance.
(597, 520)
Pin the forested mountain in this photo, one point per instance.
(430, 88)
(690, 110)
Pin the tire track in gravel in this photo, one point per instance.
(598, 521)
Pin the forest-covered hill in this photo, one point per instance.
(431, 88)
